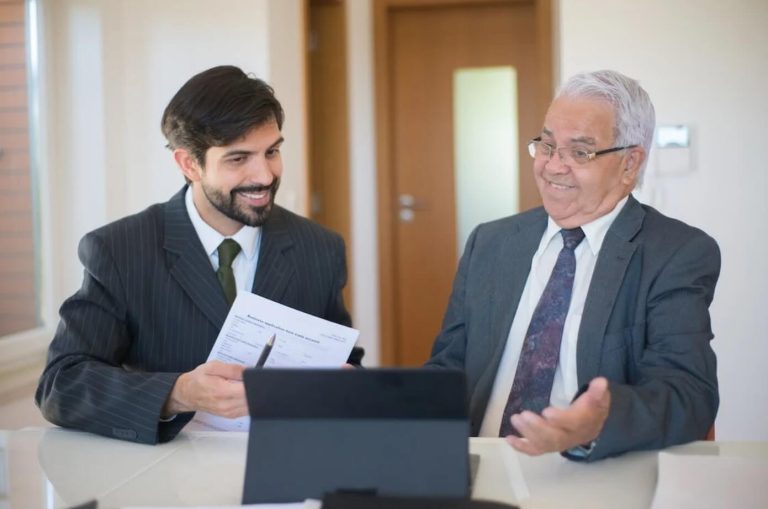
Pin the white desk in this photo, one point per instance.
(54, 468)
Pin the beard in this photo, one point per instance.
(244, 214)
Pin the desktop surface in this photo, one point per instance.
(57, 468)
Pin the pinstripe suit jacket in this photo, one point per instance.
(150, 308)
(645, 324)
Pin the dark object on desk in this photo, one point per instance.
(349, 501)
(397, 432)
(91, 504)
(356, 356)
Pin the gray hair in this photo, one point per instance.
(633, 109)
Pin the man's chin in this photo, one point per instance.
(257, 216)
(252, 215)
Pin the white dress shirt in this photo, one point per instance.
(249, 238)
(566, 383)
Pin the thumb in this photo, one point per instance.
(597, 394)
(224, 370)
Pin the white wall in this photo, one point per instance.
(111, 68)
(704, 64)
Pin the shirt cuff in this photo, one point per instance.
(580, 452)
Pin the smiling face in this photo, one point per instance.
(574, 195)
(238, 182)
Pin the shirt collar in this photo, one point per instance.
(594, 231)
(247, 236)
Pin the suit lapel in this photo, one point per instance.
(188, 263)
(607, 278)
(275, 270)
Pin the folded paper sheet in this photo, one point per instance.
(301, 341)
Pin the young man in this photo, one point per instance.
(129, 356)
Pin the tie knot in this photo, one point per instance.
(228, 250)
(572, 237)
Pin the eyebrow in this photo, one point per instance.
(277, 142)
(584, 139)
(587, 140)
(231, 153)
(240, 152)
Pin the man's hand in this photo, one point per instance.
(213, 387)
(559, 429)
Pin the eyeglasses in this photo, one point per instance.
(569, 155)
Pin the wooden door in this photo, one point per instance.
(419, 47)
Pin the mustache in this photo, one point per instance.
(257, 188)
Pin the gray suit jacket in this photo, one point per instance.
(645, 324)
(150, 308)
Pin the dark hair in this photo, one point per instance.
(217, 107)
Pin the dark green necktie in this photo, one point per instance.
(228, 250)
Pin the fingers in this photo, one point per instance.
(523, 445)
(570, 418)
(539, 434)
(224, 370)
(214, 387)
(219, 389)
(593, 404)
(227, 399)
(559, 429)
(597, 394)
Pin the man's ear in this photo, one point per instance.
(632, 163)
(188, 164)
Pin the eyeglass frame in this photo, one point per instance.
(591, 156)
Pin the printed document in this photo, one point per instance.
(301, 340)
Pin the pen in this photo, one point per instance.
(265, 352)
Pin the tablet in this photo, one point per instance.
(399, 432)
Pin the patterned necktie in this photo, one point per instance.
(541, 348)
(228, 250)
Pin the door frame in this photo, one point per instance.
(328, 175)
(382, 10)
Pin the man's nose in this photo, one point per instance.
(556, 162)
(259, 171)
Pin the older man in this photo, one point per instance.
(583, 325)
